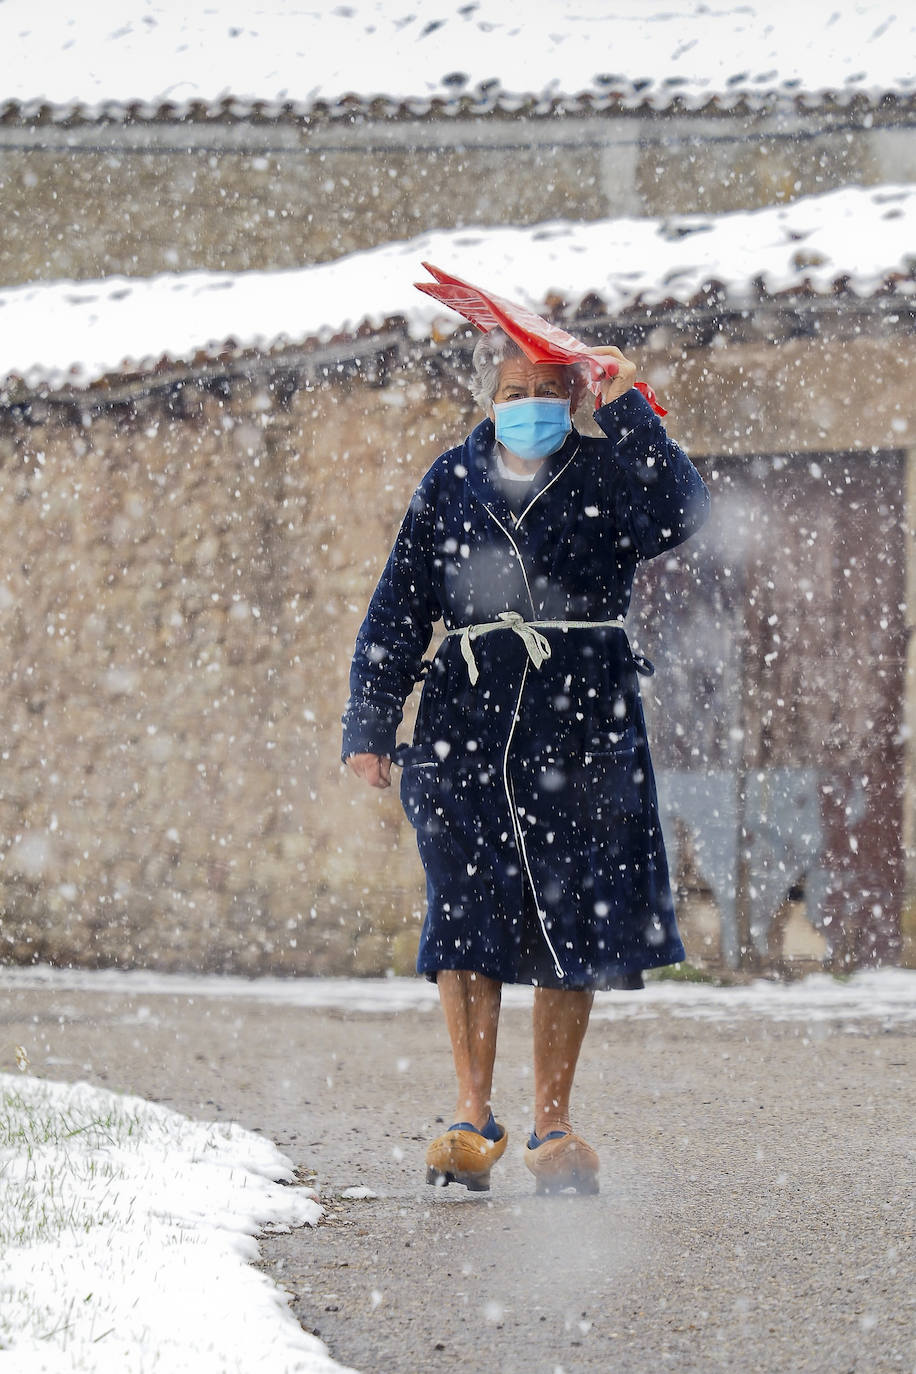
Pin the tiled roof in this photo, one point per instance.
(156, 59)
(883, 106)
(849, 251)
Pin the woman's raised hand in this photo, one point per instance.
(612, 387)
(374, 769)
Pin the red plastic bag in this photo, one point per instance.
(539, 340)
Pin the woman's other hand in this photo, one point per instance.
(374, 769)
(612, 387)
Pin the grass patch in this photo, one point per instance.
(38, 1204)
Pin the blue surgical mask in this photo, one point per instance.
(532, 427)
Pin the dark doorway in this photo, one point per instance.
(779, 635)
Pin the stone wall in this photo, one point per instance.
(94, 200)
(181, 581)
(180, 587)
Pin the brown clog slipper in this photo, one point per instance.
(465, 1155)
(562, 1160)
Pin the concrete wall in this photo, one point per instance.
(181, 581)
(93, 200)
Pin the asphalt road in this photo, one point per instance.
(757, 1202)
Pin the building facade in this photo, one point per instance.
(188, 549)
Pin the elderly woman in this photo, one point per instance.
(528, 780)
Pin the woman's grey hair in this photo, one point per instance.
(495, 348)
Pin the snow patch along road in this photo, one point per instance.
(880, 995)
(128, 1233)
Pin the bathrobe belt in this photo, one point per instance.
(529, 632)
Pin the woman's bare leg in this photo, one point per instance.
(471, 1005)
(560, 1022)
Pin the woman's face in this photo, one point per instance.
(518, 379)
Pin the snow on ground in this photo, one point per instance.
(881, 996)
(127, 1233)
(78, 331)
(302, 51)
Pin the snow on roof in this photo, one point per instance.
(302, 53)
(853, 240)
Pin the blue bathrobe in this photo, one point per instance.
(528, 779)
